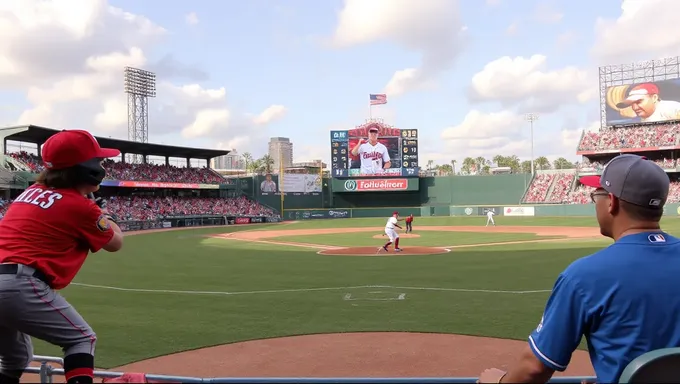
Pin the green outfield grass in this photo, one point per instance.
(227, 290)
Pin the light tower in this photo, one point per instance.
(531, 117)
(139, 86)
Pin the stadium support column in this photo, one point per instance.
(531, 117)
(139, 86)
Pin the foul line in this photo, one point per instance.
(140, 290)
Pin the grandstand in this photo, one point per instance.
(658, 142)
(143, 195)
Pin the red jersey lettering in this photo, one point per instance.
(372, 155)
(52, 230)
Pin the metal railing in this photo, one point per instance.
(47, 371)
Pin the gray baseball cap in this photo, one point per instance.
(633, 179)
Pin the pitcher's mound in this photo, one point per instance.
(373, 251)
(403, 236)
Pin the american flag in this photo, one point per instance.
(378, 98)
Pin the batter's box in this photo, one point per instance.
(374, 296)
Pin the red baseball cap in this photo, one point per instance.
(72, 147)
(395, 213)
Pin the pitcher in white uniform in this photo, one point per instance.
(391, 232)
(489, 218)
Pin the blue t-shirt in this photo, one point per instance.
(625, 299)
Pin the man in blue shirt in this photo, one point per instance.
(625, 299)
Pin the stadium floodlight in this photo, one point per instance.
(139, 86)
(531, 117)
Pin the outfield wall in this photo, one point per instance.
(440, 192)
(552, 210)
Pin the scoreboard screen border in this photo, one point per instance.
(348, 135)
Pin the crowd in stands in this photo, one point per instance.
(633, 137)
(140, 172)
(538, 189)
(566, 190)
(597, 166)
(151, 208)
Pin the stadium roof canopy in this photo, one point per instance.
(38, 135)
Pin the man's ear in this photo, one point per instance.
(613, 204)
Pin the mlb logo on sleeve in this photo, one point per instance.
(657, 238)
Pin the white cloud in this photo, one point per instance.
(67, 58)
(271, 114)
(479, 126)
(527, 82)
(646, 29)
(500, 133)
(430, 27)
(191, 18)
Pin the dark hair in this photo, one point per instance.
(59, 178)
(640, 213)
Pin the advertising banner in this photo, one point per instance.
(318, 214)
(293, 183)
(518, 211)
(375, 185)
(654, 101)
(153, 184)
(481, 211)
(242, 220)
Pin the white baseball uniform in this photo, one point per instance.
(489, 218)
(373, 157)
(665, 110)
(390, 229)
(268, 186)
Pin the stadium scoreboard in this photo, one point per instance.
(402, 146)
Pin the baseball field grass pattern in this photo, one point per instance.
(459, 292)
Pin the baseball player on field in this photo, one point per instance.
(45, 238)
(373, 155)
(409, 223)
(489, 217)
(391, 232)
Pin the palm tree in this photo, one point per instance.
(453, 167)
(267, 163)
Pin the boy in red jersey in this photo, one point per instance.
(45, 238)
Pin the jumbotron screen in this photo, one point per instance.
(401, 146)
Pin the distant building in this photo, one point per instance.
(281, 148)
(229, 164)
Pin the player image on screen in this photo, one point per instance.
(373, 155)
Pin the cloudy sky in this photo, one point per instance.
(231, 74)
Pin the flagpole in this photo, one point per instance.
(281, 180)
(321, 180)
(370, 111)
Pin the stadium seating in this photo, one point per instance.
(140, 172)
(634, 137)
(151, 208)
(538, 189)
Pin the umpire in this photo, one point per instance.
(625, 298)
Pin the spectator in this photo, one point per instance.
(625, 298)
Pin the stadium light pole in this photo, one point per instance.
(139, 86)
(531, 117)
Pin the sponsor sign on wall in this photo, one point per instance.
(518, 211)
(481, 211)
(375, 185)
